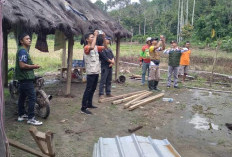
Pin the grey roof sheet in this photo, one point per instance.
(133, 146)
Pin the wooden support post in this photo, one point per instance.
(117, 57)
(64, 61)
(69, 70)
(5, 59)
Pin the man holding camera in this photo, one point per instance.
(93, 68)
(154, 52)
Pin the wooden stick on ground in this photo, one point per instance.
(135, 129)
(144, 95)
(119, 96)
(125, 99)
(146, 102)
(213, 90)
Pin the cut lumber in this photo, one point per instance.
(144, 95)
(213, 90)
(26, 148)
(136, 102)
(120, 96)
(124, 99)
(146, 102)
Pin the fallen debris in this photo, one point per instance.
(135, 129)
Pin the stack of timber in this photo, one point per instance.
(133, 100)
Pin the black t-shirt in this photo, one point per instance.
(105, 55)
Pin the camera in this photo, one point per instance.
(100, 32)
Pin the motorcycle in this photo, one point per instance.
(42, 105)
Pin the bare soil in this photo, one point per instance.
(76, 133)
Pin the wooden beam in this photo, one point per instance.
(26, 148)
(124, 100)
(69, 70)
(146, 102)
(143, 95)
(117, 57)
(206, 89)
(64, 61)
(119, 96)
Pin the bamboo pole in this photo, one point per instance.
(213, 90)
(146, 102)
(144, 95)
(119, 96)
(124, 99)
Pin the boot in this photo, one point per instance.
(155, 86)
(150, 85)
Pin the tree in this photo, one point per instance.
(101, 5)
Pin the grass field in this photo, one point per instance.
(52, 61)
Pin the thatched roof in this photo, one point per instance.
(69, 16)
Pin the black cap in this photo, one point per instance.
(21, 36)
(156, 39)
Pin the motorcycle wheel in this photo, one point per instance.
(42, 106)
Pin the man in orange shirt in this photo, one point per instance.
(185, 61)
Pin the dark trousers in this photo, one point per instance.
(106, 79)
(91, 86)
(26, 90)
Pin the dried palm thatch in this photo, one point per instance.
(73, 17)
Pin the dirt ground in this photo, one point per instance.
(194, 122)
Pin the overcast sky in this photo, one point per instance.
(106, 0)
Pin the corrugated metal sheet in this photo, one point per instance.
(133, 146)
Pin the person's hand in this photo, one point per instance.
(110, 65)
(162, 37)
(96, 33)
(36, 66)
(112, 61)
(140, 64)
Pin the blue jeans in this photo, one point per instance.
(145, 68)
(26, 90)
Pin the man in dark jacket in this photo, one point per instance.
(107, 62)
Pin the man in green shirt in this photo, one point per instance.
(24, 73)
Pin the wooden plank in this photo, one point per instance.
(144, 95)
(69, 71)
(26, 148)
(146, 102)
(33, 132)
(119, 96)
(117, 57)
(124, 100)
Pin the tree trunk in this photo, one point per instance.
(186, 20)
(117, 57)
(178, 24)
(139, 29)
(181, 18)
(144, 26)
(194, 3)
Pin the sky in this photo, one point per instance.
(106, 0)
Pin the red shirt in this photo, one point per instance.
(144, 54)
